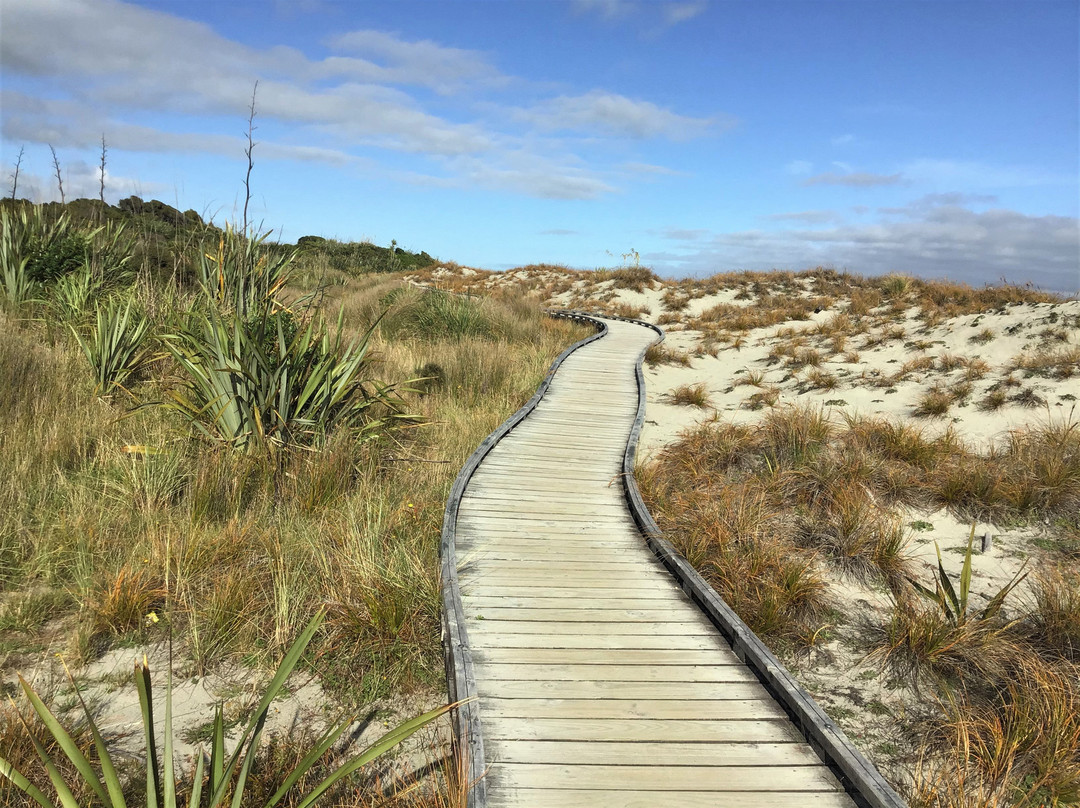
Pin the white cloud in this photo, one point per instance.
(83, 181)
(799, 167)
(855, 179)
(599, 112)
(422, 62)
(683, 234)
(806, 216)
(123, 58)
(608, 9)
(842, 140)
(649, 168)
(971, 174)
(928, 240)
(114, 67)
(675, 13)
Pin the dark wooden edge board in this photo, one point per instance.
(862, 780)
(457, 657)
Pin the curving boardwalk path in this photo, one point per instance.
(598, 682)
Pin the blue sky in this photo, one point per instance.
(935, 137)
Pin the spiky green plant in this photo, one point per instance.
(954, 604)
(16, 285)
(70, 297)
(238, 274)
(116, 344)
(227, 775)
(260, 384)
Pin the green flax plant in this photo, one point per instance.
(116, 345)
(71, 296)
(220, 783)
(16, 285)
(237, 274)
(953, 603)
(251, 385)
(260, 376)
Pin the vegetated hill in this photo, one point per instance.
(162, 232)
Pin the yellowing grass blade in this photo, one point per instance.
(66, 742)
(108, 771)
(328, 740)
(146, 704)
(196, 780)
(383, 745)
(67, 799)
(16, 778)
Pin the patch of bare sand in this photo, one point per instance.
(304, 709)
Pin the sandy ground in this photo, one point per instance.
(108, 687)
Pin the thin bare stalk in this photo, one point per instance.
(15, 174)
(248, 151)
(101, 188)
(59, 178)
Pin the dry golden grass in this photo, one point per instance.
(762, 510)
(935, 402)
(1053, 362)
(661, 354)
(692, 395)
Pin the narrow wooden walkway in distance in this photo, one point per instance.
(600, 683)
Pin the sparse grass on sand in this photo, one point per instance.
(692, 395)
(771, 513)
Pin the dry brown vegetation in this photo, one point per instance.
(770, 513)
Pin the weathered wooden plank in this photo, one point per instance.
(614, 564)
(611, 558)
(731, 671)
(573, 463)
(580, 502)
(718, 710)
(673, 641)
(568, 531)
(530, 509)
(574, 539)
(554, 584)
(542, 493)
(599, 658)
(625, 729)
(480, 598)
(526, 549)
(691, 628)
(586, 615)
(510, 797)
(582, 598)
(653, 754)
(575, 689)
(659, 778)
(571, 525)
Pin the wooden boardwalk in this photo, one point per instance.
(598, 681)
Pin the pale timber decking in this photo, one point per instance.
(598, 682)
